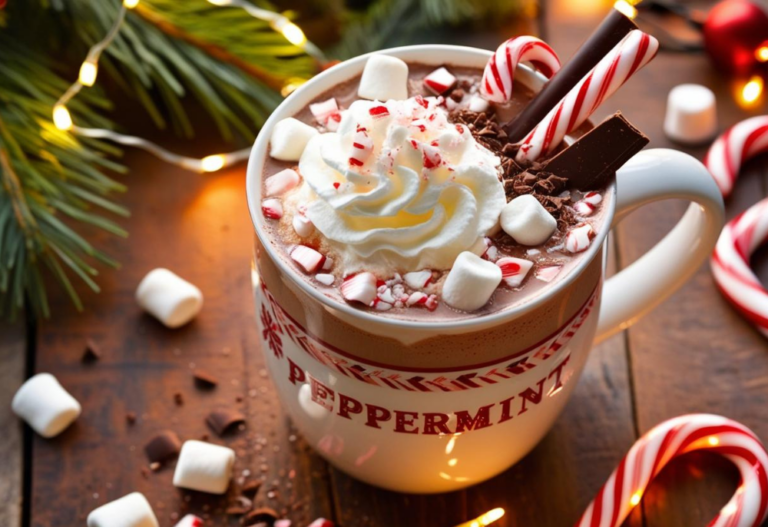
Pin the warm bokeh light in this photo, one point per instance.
(750, 92)
(220, 2)
(452, 462)
(761, 53)
(625, 8)
(293, 34)
(713, 440)
(291, 85)
(636, 497)
(212, 163)
(485, 519)
(61, 117)
(130, 4)
(88, 72)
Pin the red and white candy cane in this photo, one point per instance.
(635, 51)
(732, 149)
(672, 439)
(499, 73)
(730, 264)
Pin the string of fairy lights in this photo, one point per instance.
(89, 71)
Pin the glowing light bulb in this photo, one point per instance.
(290, 31)
(88, 72)
(291, 85)
(130, 4)
(212, 163)
(61, 117)
(636, 497)
(626, 9)
(713, 440)
(751, 91)
(761, 53)
(220, 2)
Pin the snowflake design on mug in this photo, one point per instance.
(272, 332)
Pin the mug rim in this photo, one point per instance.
(348, 69)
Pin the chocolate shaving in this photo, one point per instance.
(483, 127)
(593, 159)
(263, 515)
(163, 447)
(92, 353)
(204, 380)
(223, 419)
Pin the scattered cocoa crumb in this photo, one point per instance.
(155, 466)
(263, 515)
(457, 94)
(144, 473)
(223, 419)
(204, 380)
(236, 510)
(178, 398)
(239, 399)
(164, 446)
(130, 418)
(92, 353)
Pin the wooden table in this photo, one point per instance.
(692, 354)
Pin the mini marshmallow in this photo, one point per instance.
(281, 182)
(169, 298)
(190, 520)
(204, 467)
(527, 221)
(303, 226)
(477, 104)
(691, 114)
(132, 510)
(470, 282)
(45, 405)
(384, 78)
(289, 138)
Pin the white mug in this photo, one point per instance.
(420, 406)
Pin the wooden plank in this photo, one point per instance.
(554, 484)
(199, 227)
(13, 354)
(693, 353)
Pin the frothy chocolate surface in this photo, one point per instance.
(551, 262)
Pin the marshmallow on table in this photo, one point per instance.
(384, 78)
(132, 510)
(527, 221)
(470, 282)
(289, 138)
(169, 298)
(204, 467)
(45, 405)
(691, 114)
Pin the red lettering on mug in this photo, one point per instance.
(557, 372)
(506, 410)
(436, 423)
(406, 419)
(531, 396)
(349, 405)
(295, 373)
(377, 414)
(321, 394)
(464, 421)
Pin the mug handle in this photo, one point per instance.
(653, 175)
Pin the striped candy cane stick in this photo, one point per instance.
(732, 149)
(499, 73)
(635, 51)
(677, 437)
(730, 264)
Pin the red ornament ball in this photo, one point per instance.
(733, 31)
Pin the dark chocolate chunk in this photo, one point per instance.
(223, 419)
(203, 379)
(263, 515)
(594, 158)
(178, 398)
(163, 447)
(92, 353)
(610, 32)
(130, 417)
(251, 488)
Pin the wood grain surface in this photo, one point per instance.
(692, 354)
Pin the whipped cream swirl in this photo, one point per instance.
(399, 188)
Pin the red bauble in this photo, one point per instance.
(733, 31)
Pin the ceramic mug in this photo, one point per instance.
(431, 406)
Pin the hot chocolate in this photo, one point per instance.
(415, 207)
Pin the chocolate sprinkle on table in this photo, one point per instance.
(223, 419)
